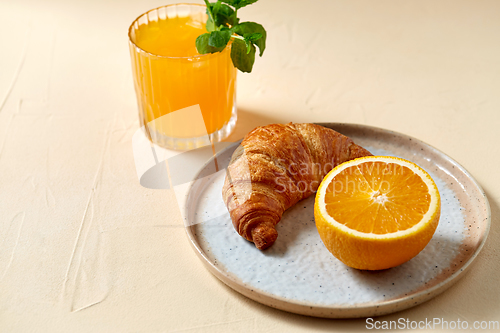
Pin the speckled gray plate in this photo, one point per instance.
(297, 274)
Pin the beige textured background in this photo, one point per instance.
(85, 248)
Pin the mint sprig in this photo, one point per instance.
(223, 25)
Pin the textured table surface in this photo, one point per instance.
(84, 247)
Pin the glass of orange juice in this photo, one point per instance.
(186, 100)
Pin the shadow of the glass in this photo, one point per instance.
(248, 120)
(181, 167)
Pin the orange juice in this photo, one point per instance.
(181, 94)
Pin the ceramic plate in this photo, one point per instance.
(298, 274)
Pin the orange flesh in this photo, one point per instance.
(377, 197)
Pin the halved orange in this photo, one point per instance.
(376, 212)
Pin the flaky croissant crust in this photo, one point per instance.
(276, 166)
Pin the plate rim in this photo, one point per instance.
(367, 309)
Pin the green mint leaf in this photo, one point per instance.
(226, 15)
(215, 8)
(252, 37)
(248, 45)
(251, 28)
(237, 4)
(210, 26)
(223, 15)
(212, 10)
(223, 25)
(219, 39)
(242, 59)
(203, 46)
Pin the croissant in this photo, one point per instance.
(276, 166)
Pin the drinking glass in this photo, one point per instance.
(186, 100)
